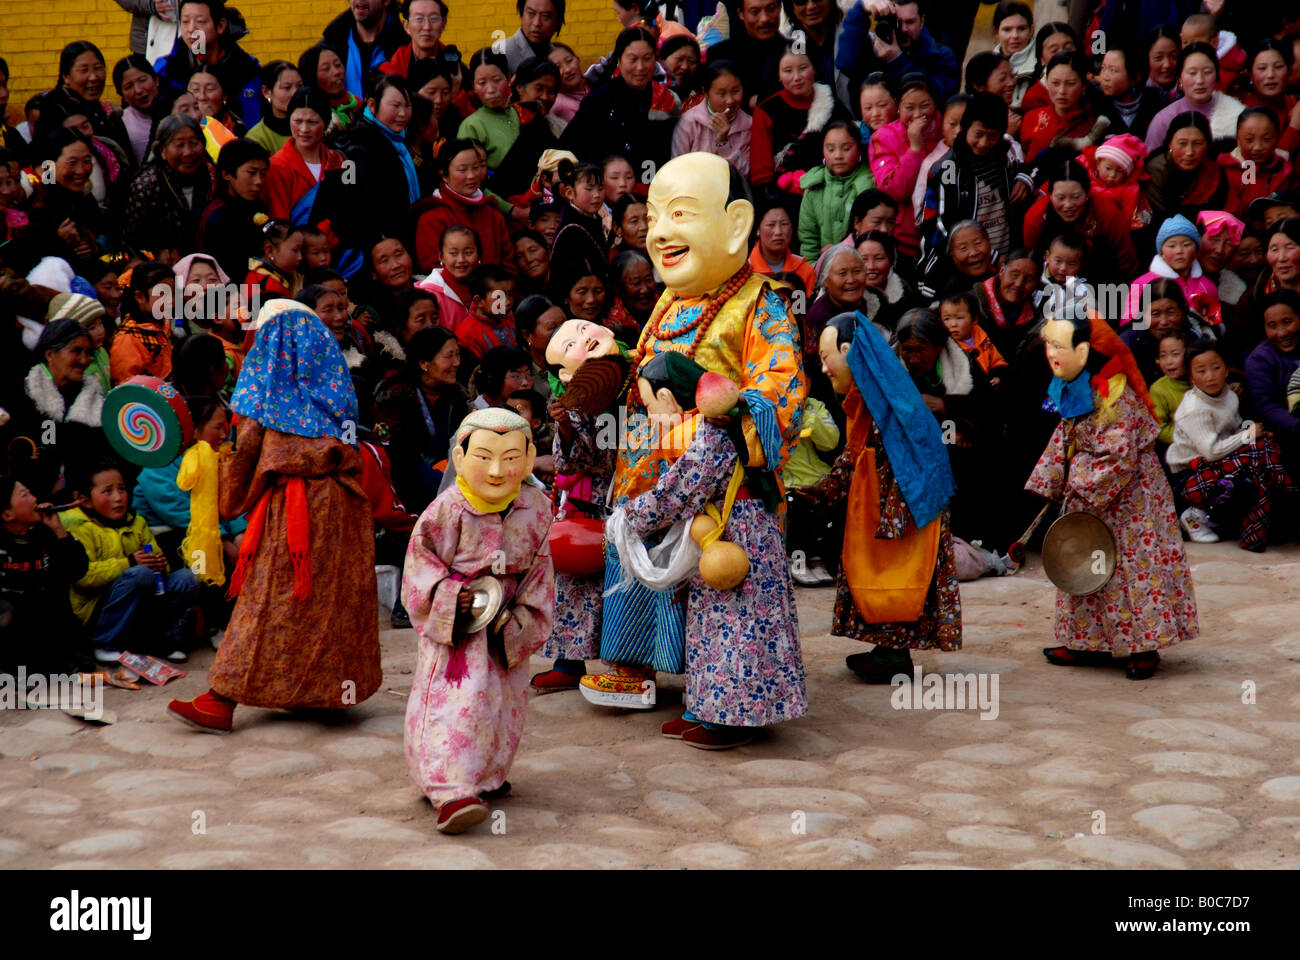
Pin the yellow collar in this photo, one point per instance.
(478, 503)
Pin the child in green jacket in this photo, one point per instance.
(830, 189)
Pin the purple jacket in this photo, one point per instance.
(1268, 370)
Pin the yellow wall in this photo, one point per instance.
(278, 29)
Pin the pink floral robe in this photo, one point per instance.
(1148, 603)
(461, 734)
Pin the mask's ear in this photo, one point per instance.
(458, 457)
(531, 458)
(665, 396)
(740, 224)
(1081, 353)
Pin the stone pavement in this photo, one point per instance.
(1181, 771)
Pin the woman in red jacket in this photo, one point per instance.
(1068, 205)
(461, 166)
(1070, 114)
(298, 169)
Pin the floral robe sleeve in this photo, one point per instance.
(697, 477)
(1106, 455)
(583, 454)
(428, 592)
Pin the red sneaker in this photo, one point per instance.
(674, 729)
(718, 738)
(457, 816)
(554, 681)
(205, 712)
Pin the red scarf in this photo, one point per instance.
(297, 528)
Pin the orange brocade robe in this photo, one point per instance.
(321, 652)
(751, 341)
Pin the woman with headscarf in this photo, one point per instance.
(304, 632)
(170, 193)
(897, 583)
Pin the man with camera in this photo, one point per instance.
(900, 39)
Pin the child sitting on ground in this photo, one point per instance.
(128, 594)
(1167, 392)
(958, 313)
(39, 561)
(1225, 469)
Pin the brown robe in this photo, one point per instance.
(322, 652)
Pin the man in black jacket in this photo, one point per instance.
(38, 563)
(755, 47)
(367, 34)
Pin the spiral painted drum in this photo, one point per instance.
(146, 421)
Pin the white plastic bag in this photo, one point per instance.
(663, 566)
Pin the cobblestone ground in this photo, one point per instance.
(1185, 773)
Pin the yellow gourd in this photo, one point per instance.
(701, 527)
(723, 565)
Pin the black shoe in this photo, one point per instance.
(873, 670)
(498, 793)
(1065, 657)
(400, 619)
(1142, 666)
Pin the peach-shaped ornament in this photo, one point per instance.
(716, 395)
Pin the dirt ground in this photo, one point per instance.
(1081, 768)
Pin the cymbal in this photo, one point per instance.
(1079, 553)
(489, 597)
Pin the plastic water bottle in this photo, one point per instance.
(159, 581)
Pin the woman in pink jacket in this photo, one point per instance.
(896, 151)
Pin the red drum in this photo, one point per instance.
(578, 546)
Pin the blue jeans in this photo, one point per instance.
(131, 606)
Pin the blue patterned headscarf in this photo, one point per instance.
(295, 379)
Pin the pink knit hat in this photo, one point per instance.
(1125, 150)
(1214, 222)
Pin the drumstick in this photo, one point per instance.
(1016, 552)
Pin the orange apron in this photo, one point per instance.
(889, 579)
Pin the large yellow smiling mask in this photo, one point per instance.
(697, 240)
